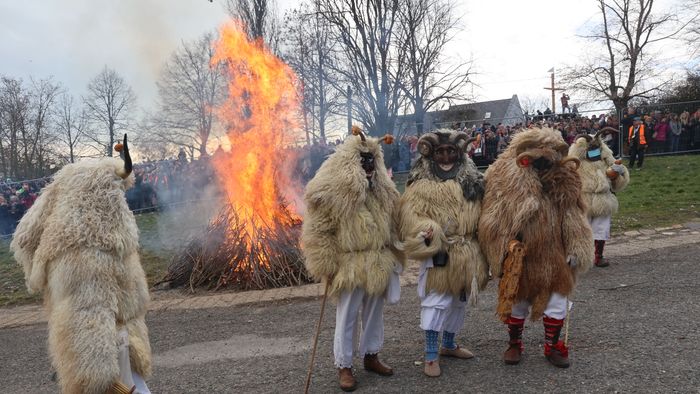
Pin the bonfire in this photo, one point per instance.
(253, 243)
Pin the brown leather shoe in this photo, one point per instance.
(373, 364)
(346, 379)
(458, 352)
(558, 359)
(512, 354)
(432, 368)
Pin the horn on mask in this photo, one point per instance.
(124, 149)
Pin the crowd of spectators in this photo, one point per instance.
(160, 184)
(15, 199)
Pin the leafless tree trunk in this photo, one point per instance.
(36, 137)
(190, 90)
(71, 125)
(623, 68)
(427, 26)
(109, 103)
(14, 112)
(309, 51)
(260, 18)
(370, 61)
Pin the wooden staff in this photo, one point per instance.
(318, 331)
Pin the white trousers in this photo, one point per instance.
(601, 227)
(439, 311)
(347, 325)
(556, 307)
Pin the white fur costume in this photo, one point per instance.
(78, 244)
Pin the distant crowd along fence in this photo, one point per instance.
(663, 138)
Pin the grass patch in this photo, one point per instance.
(154, 262)
(665, 192)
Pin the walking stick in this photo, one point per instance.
(318, 331)
(566, 323)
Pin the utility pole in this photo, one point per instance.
(553, 89)
(349, 111)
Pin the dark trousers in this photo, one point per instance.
(637, 153)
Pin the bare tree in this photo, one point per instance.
(14, 115)
(692, 36)
(427, 26)
(370, 62)
(71, 126)
(309, 51)
(623, 69)
(260, 18)
(190, 89)
(38, 142)
(108, 104)
(25, 119)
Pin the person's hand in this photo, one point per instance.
(572, 261)
(619, 168)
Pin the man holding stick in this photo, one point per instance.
(348, 238)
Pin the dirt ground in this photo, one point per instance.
(633, 329)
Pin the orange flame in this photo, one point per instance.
(260, 117)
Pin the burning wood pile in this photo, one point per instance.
(254, 241)
(228, 256)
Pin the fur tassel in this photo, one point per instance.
(474, 293)
(509, 285)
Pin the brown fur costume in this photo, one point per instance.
(544, 210)
(79, 245)
(349, 227)
(597, 188)
(430, 202)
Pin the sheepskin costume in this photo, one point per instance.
(439, 214)
(348, 237)
(533, 196)
(349, 227)
(597, 187)
(78, 244)
(601, 177)
(431, 202)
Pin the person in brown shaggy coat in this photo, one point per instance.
(602, 176)
(438, 224)
(78, 244)
(535, 235)
(348, 239)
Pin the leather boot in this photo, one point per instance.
(346, 379)
(599, 260)
(515, 344)
(373, 364)
(555, 350)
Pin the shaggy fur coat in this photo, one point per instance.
(349, 228)
(78, 244)
(597, 188)
(430, 202)
(544, 210)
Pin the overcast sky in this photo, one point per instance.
(513, 43)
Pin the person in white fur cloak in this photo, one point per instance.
(601, 176)
(439, 213)
(78, 244)
(348, 239)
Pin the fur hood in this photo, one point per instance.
(542, 208)
(84, 206)
(340, 187)
(597, 188)
(468, 176)
(349, 227)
